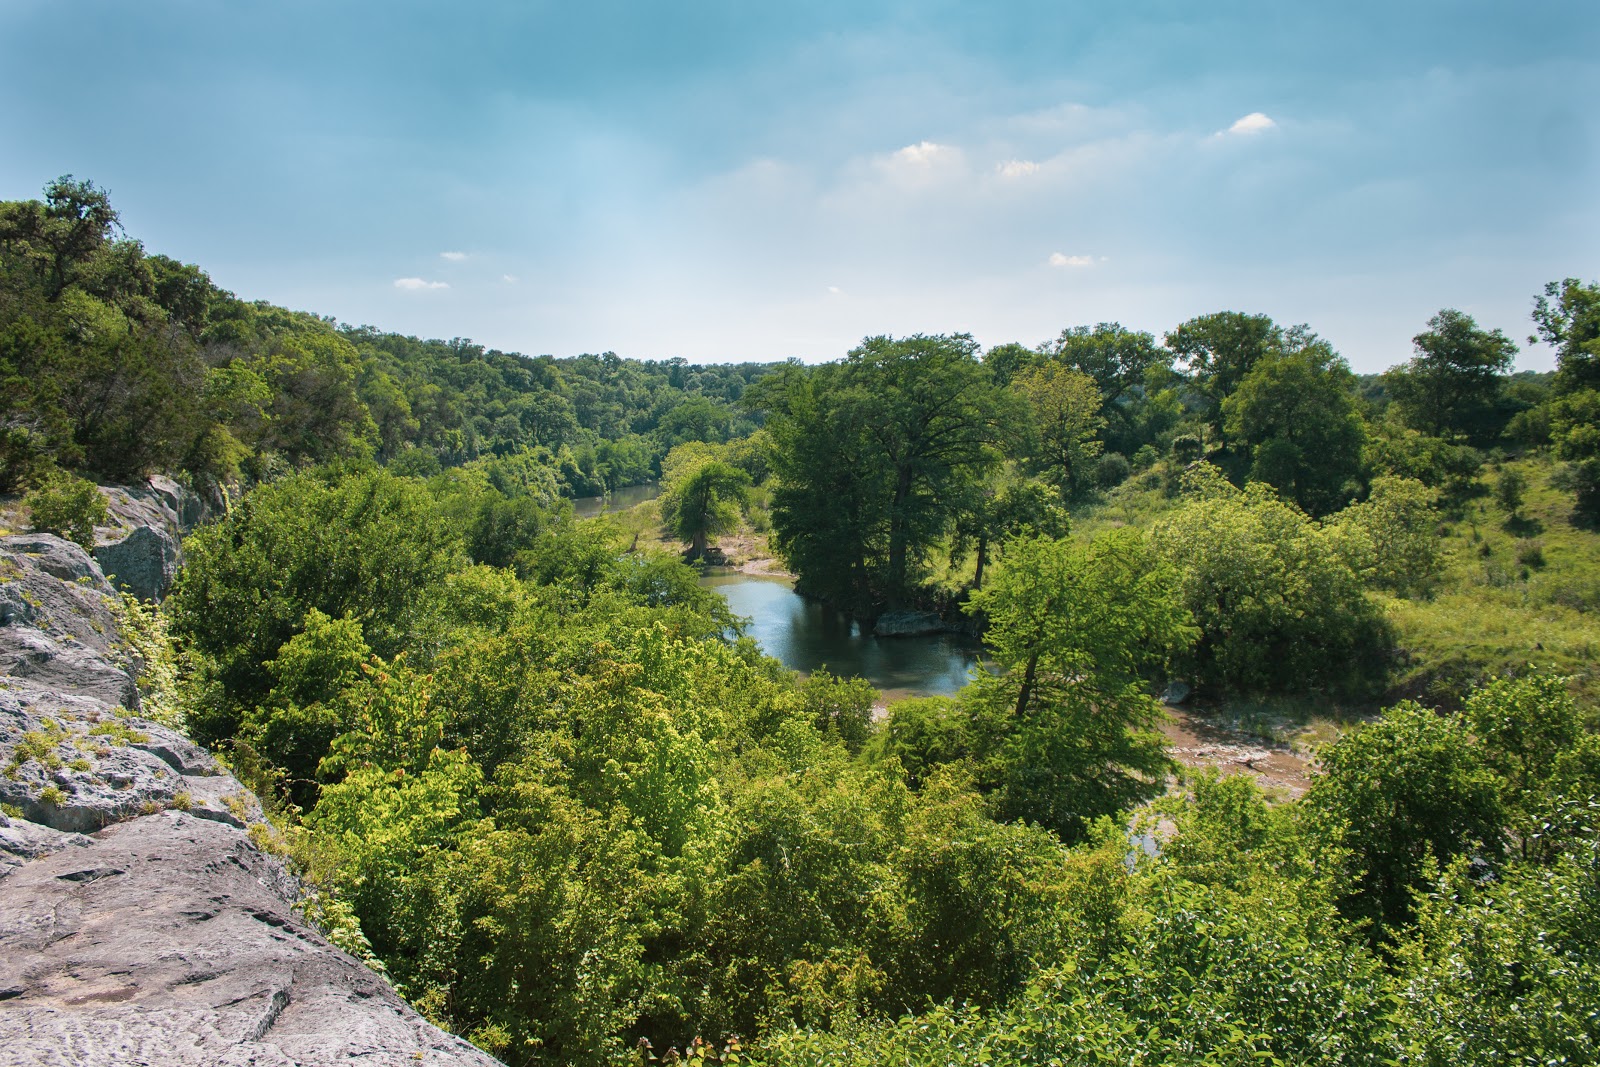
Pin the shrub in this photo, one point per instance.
(69, 507)
(1186, 448)
(1530, 554)
(1111, 470)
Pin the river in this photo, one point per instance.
(805, 635)
(590, 507)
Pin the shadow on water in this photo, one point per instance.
(805, 636)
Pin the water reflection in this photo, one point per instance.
(806, 635)
(590, 507)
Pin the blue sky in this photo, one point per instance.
(740, 180)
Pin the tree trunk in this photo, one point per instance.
(983, 557)
(898, 535)
(1027, 685)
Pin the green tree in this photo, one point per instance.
(1064, 441)
(702, 501)
(1392, 538)
(68, 507)
(1074, 626)
(56, 239)
(362, 545)
(1295, 416)
(1450, 386)
(1567, 317)
(1122, 362)
(1402, 794)
(873, 457)
(1218, 350)
(1279, 606)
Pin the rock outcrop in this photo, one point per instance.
(144, 563)
(170, 940)
(139, 553)
(140, 923)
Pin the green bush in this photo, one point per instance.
(69, 507)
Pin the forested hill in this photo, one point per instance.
(118, 362)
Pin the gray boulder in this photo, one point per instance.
(173, 940)
(144, 563)
(76, 764)
(1175, 693)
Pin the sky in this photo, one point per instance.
(732, 180)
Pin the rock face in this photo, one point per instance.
(144, 563)
(172, 940)
(140, 554)
(139, 921)
(57, 629)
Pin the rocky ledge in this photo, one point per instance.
(140, 923)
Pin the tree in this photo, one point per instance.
(1398, 793)
(1296, 417)
(1122, 362)
(704, 500)
(1220, 349)
(1280, 608)
(1567, 317)
(1074, 626)
(54, 240)
(366, 546)
(1450, 386)
(873, 457)
(996, 513)
(1066, 422)
(1392, 538)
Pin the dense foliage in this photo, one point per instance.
(536, 775)
(566, 812)
(120, 363)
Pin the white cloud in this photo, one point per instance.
(923, 153)
(509, 279)
(1016, 168)
(1059, 260)
(833, 290)
(1254, 122)
(454, 257)
(418, 283)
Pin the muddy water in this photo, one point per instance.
(805, 636)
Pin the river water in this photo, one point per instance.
(806, 635)
(590, 507)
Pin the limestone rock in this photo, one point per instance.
(64, 666)
(144, 563)
(159, 502)
(54, 586)
(55, 556)
(172, 940)
(22, 841)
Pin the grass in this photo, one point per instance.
(1518, 591)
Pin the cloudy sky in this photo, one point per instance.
(736, 180)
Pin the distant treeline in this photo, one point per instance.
(118, 363)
